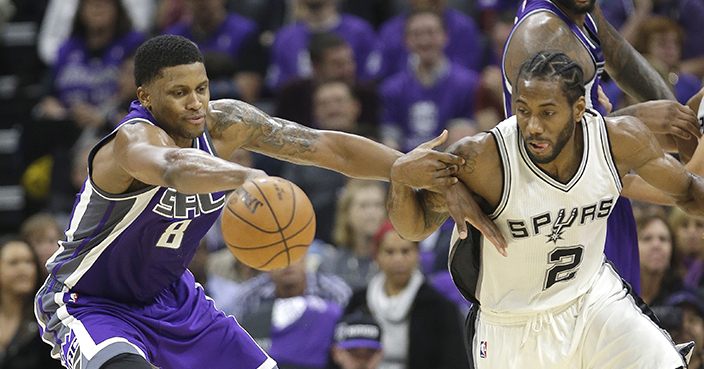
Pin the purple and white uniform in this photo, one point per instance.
(119, 284)
(289, 53)
(621, 238)
(587, 37)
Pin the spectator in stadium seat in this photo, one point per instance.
(289, 53)
(234, 57)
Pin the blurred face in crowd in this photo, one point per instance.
(291, 276)
(315, 5)
(335, 108)
(654, 246)
(426, 37)
(45, 243)
(338, 63)
(665, 47)
(18, 271)
(429, 5)
(367, 210)
(204, 12)
(98, 14)
(692, 326)
(689, 236)
(357, 358)
(397, 258)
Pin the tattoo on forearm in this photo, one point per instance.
(276, 136)
(433, 206)
(632, 71)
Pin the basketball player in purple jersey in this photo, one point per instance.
(119, 295)
(578, 28)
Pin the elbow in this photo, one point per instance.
(173, 170)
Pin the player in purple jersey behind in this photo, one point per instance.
(578, 28)
(118, 294)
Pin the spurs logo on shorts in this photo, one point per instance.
(70, 354)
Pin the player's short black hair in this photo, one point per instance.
(162, 52)
(554, 66)
(320, 43)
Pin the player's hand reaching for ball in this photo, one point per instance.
(426, 168)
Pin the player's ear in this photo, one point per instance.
(144, 97)
(579, 107)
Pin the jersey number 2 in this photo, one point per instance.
(173, 235)
(565, 262)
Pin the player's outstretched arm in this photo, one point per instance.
(416, 214)
(146, 153)
(355, 156)
(636, 148)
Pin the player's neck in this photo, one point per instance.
(568, 161)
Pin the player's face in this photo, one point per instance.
(654, 246)
(545, 117)
(178, 100)
(577, 6)
(18, 272)
(397, 258)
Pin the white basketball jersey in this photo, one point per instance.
(555, 231)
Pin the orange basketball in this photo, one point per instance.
(268, 223)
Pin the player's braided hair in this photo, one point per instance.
(555, 66)
(162, 52)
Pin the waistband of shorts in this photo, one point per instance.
(52, 284)
(507, 317)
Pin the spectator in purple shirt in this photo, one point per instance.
(628, 16)
(419, 101)
(332, 58)
(463, 40)
(85, 75)
(235, 60)
(289, 53)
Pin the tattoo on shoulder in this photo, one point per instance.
(275, 136)
(469, 150)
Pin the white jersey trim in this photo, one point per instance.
(565, 187)
(506, 170)
(606, 149)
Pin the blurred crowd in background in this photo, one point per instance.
(397, 71)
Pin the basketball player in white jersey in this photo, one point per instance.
(548, 177)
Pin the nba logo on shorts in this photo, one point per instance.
(482, 349)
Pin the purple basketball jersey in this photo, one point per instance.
(129, 247)
(119, 284)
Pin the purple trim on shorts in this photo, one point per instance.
(360, 343)
(97, 230)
